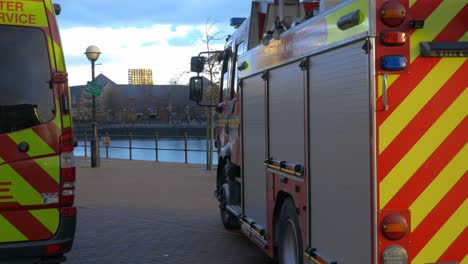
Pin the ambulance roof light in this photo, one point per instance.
(57, 9)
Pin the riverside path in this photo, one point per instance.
(148, 212)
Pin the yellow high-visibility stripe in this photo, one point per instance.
(50, 218)
(418, 98)
(9, 233)
(335, 34)
(423, 149)
(434, 24)
(391, 78)
(444, 237)
(66, 121)
(37, 146)
(22, 192)
(51, 53)
(1, 161)
(465, 260)
(412, 2)
(50, 165)
(58, 115)
(59, 57)
(49, 6)
(444, 182)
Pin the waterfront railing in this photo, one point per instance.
(106, 143)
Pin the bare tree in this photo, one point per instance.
(175, 79)
(213, 71)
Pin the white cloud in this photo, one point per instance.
(124, 48)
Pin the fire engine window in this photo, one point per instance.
(239, 51)
(226, 74)
(26, 99)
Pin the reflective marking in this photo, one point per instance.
(37, 146)
(21, 190)
(390, 80)
(417, 99)
(66, 121)
(423, 149)
(51, 166)
(434, 24)
(335, 34)
(58, 115)
(9, 232)
(48, 217)
(412, 2)
(58, 55)
(49, 6)
(444, 237)
(444, 182)
(51, 53)
(465, 260)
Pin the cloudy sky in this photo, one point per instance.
(156, 34)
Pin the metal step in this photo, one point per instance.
(235, 210)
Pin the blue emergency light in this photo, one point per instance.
(393, 63)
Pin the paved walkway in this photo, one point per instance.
(147, 212)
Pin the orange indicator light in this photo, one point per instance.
(393, 13)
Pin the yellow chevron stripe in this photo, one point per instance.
(9, 232)
(49, 6)
(439, 187)
(50, 165)
(423, 149)
(465, 37)
(66, 121)
(412, 2)
(50, 218)
(465, 260)
(22, 191)
(1, 161)
(51, 53)
(418, 98)
(37, 146)
(59, 57)
(391, 78)
(434, 24)
(444, 237)
(58, 115)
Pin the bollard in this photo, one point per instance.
(85, 145)
(107, 145)
(185, 149)
(130, 145)
(156, 139)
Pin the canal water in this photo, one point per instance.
(169, 150)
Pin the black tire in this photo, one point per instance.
(289, 235)
(229, 220)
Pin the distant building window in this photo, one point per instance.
(140, 76)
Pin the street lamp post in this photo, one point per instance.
(92, 53)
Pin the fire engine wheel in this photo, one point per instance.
(229, 220)
(289, 238)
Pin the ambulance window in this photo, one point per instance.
(26, 99)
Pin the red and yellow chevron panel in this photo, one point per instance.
(422, 138)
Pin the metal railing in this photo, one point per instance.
(105, 143)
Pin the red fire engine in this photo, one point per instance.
(342, 132)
